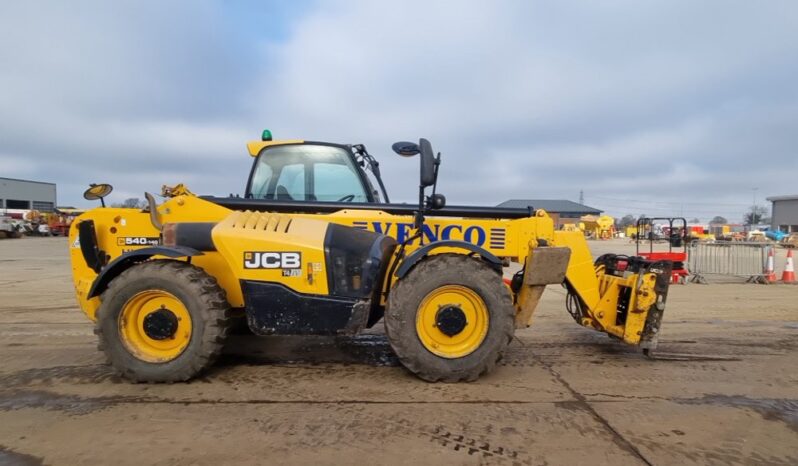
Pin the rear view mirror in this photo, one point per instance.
(427, 163)
(405, 149)
(97, 191)
(428, 176)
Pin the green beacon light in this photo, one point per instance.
(266, 136)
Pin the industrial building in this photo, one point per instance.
(23, 195)
(784, 214)
(561, 211)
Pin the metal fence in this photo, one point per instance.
(729, 258)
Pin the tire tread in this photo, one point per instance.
(214, 311)
(403, 301)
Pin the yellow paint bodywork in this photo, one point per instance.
(603, 316)
(237, 233)
(255, 147)
(114, 226)
(242, 233)
(601, 292)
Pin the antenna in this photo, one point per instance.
(581, 197)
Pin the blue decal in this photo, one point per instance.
(401, 231)
(497, 238)
(469, 235)
(446, 233)
(378, 228)
(473, 234)
(429, 235)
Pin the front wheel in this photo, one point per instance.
(162, 321)
(450, 319)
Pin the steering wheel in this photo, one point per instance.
(347, 198)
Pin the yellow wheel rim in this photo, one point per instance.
(474, 328)
(136, 326)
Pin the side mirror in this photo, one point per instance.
(97, 191)
(405, 149)
(427, 163)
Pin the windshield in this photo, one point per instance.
(306, 172)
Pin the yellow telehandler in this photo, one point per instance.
(313, 248)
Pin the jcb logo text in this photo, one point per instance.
(272, 260)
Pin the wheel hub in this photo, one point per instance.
(160, 324)
(450, 320)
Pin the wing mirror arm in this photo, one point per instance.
(437, 201)
(430, 164)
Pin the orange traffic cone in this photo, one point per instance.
(788, 276)
(770, 273)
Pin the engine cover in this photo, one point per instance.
(303, 276)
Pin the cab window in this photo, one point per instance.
(337, 182)
(306, 172)
(291, 183)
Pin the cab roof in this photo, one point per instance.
(254, 147)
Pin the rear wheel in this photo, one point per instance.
(450, 319)
(162, 321)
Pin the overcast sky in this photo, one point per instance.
(649, 107)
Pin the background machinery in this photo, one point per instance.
(597, 227)
(672, 232)
(313, 248)
(699, 233)
(9, 227)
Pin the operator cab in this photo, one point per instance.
(297, 176)
(313, 171)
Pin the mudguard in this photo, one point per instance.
(423, 251)
(121, 263)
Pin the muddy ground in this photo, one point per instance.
(726, 394)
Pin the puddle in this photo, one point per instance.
(92, 374)
(70, 404)
(8, 456)
(367, 349)
(772, 409)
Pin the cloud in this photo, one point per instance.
(138, 94)
(675, 103)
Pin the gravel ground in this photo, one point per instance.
(724, 389)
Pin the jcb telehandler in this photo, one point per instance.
(312, 248)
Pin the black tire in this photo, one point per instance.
(202, 297)
(409, 292)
